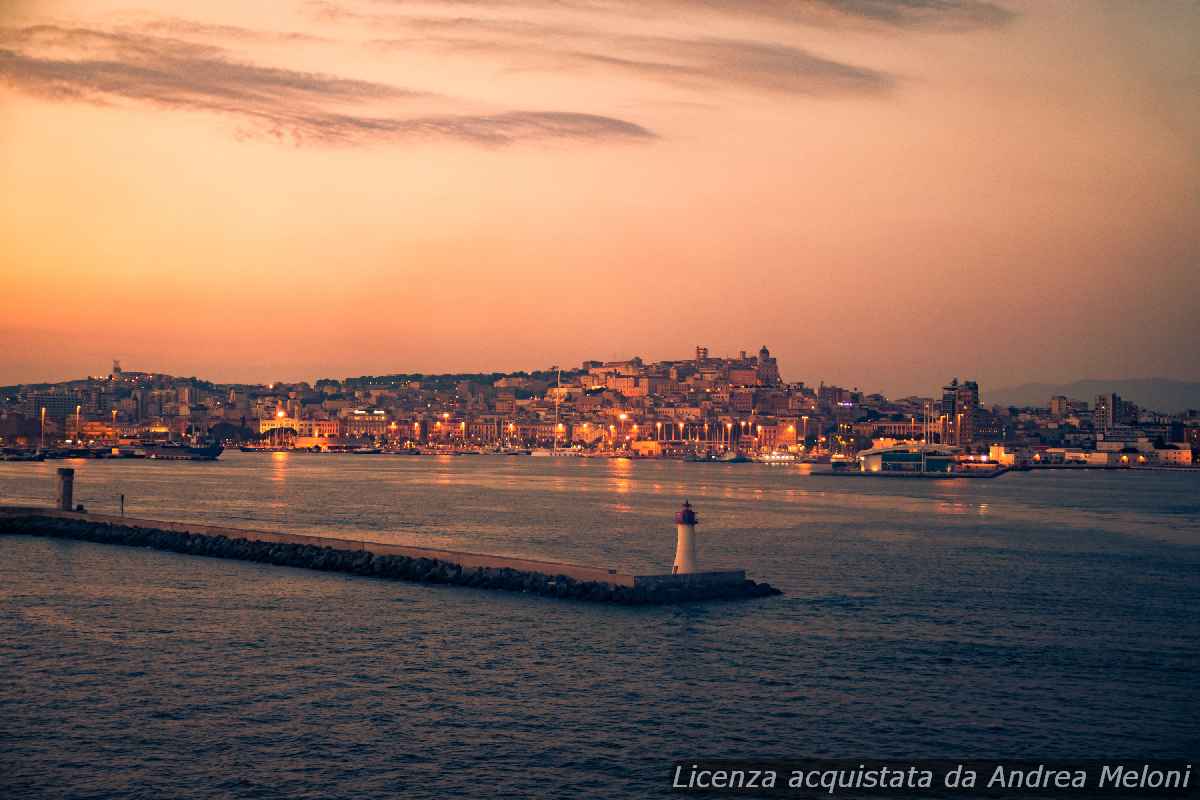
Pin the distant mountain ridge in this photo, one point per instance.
(1157, 394)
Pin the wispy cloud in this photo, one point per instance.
(937, 14)
(96, 66)
(896, 14)
(697, 63)
(93, 64)
(177, 26)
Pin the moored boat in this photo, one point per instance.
(178, 451)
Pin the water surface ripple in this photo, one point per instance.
(1037, 615)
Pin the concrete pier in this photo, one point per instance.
(404, 562)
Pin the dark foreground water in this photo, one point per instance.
(1040, 615)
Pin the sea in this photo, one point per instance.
(1038, 615)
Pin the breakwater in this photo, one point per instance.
(379, 560)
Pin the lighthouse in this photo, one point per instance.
(685, 540)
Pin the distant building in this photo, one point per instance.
(305, 428)
(960, 405)
(506, 402)
(1110, 411)
(743, 376)
(1103, 416)
(1174, 456)
(1060, 406)
(768, 368)
(58, 406)
(950, 398)
(361, 423)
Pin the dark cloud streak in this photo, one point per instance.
(948, 15)
(698, 64)
(108, 67)
(695, 63)
(176, 26)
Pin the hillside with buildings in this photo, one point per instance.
(700, 405)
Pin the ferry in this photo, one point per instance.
(178, 451)
(776, 457)
(728, 457)
(18, 454)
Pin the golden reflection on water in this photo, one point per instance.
(279, 464)
(622, 484)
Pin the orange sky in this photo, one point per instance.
(886, 193)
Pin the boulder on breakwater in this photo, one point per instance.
(363, 562)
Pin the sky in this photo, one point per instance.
(887, 193)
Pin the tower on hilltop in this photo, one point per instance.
(768, 368)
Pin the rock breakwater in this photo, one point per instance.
(362, 561)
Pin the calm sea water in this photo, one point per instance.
(1039, 615)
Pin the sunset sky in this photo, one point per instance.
(887, 193)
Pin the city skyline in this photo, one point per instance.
(579, 365)
(704, 407)
(887, 193)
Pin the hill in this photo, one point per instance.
(1157, 394)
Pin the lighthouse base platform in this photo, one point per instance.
(691, 579)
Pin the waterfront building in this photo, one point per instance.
(303, 428)
(949, 404)
(908, 458)
(966, 411)
(1174, 456)
(58, 406)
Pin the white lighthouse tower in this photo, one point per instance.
(685, 540)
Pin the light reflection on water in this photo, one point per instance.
(502, 504)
